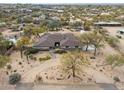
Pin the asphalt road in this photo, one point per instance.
(30, 86)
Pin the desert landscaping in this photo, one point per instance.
(61, 48)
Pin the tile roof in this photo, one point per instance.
(48, 40)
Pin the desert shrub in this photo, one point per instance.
(15, 70)
(31, 51)
(44, 58)
(39, 78)
(9, 67)
(118, 36)
(14, 78)
(31, 57)
(60, 51)
(20, 63)
(116, 79)
(112, 41)
(115, 60)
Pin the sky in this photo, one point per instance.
(61, 1)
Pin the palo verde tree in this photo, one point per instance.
(21, 43)
(85, 39)
(97, 40)
(87, 25)
(4, 45)
(115, 60)
(72, 62)
(113, 41)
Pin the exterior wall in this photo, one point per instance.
(64, 47)
(107, 24)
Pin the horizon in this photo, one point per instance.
(69, 3)
(61, 2)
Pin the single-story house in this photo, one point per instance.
(58, 40)
(107, 24)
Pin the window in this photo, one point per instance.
(57, 44)
(67, 46)
(76, 47)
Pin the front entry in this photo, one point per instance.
(57, 44)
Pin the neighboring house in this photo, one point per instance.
(24, 10)
(58, 40)
(12, 36)
(121, 31)
(107, 24)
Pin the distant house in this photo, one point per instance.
(12, 36)
(24, 10)
(107, 24)
(121, 31)
(58, 40)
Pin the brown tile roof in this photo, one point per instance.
(48, 40)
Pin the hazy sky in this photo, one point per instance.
(61, 1)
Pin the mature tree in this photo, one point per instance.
(97, 40)
(53, 24)
(37, 30)
(73, 61)
(27, 19)
(28, 31)
(86, 39)
(87, 25)
(65, 18)
(103, 17)
(34, 30)
(21, 43)
(4, 45)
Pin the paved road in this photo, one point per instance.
(24, 86)
(108, 86)
(30, 86)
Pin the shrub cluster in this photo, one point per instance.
(60, 51)
(116, 79)
(44, 58)
(14, 78)
(31, 51)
